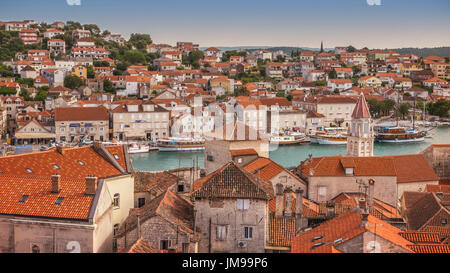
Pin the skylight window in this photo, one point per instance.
(116, 157)
(29, 170)
(317, 238)
(56, 167)
(59, 200)
(81, 163)
(23, 198)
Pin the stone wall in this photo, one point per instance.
(385, 187)
(212, 213)
(155, 229)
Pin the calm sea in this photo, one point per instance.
(287, 156)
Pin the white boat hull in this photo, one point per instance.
(402, 140)
(140, 150)
(178, 149)
(330, 142)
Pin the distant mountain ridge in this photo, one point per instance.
(422, 52)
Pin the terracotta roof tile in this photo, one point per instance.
(173, 208)
(40, 201)
(430, 248)
(81, 113)
(42, 163)
(232, 181)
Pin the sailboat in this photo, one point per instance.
(397, 134)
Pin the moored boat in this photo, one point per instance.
(330, 136)
(175, 144)
(135, 148)
(396, 134)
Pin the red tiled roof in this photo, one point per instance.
(40, 201)
(142, 246)
(421, 237)
(171, 207)
(81, 113)
(267, 168)
(243, 152)
(430, 248)
(361, 109)
(341, 229)
(42, 163)
(281, 230)
(407, 168)
(232, 181)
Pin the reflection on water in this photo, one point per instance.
(287, 156)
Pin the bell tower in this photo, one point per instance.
(360, 133)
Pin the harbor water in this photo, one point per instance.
(287, 156)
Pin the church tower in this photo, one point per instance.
(360, 134)
(321, 46)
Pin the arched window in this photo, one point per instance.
(35, 249)
(116, 200)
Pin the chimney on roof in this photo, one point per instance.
(91, 184)
(362, 204)
(288, 202)
(56, 179)
(138, 226)
(371, 192)
(279, 200)
(60, 150)
(330, 209)
(97, 145)
(298, 203)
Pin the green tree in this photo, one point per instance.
(140, 41)
(41, 94)
(90, 72)
(134, 57)
(101, 64)
(193, 57)
(72, 81)
(351, 48)
(403, 109)
(439, 108)
(5, 90)
(24, 93)
(108, 86)
(6, 71)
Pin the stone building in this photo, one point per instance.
(392, 175)
(166, 222)
(232, 136)
(149, 185)
(352, 232)
(140, 120)
(112, 167)
(54, 215)
(360, 134)
(424, 210)
(231, 210)
(76, 123)
(438, 156)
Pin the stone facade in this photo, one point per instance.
(215, 214)
(438, 156)
(217, 151)
(155, 230)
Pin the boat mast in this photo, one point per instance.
(398, 106)
(414, 112)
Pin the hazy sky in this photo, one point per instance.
(394, 23)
